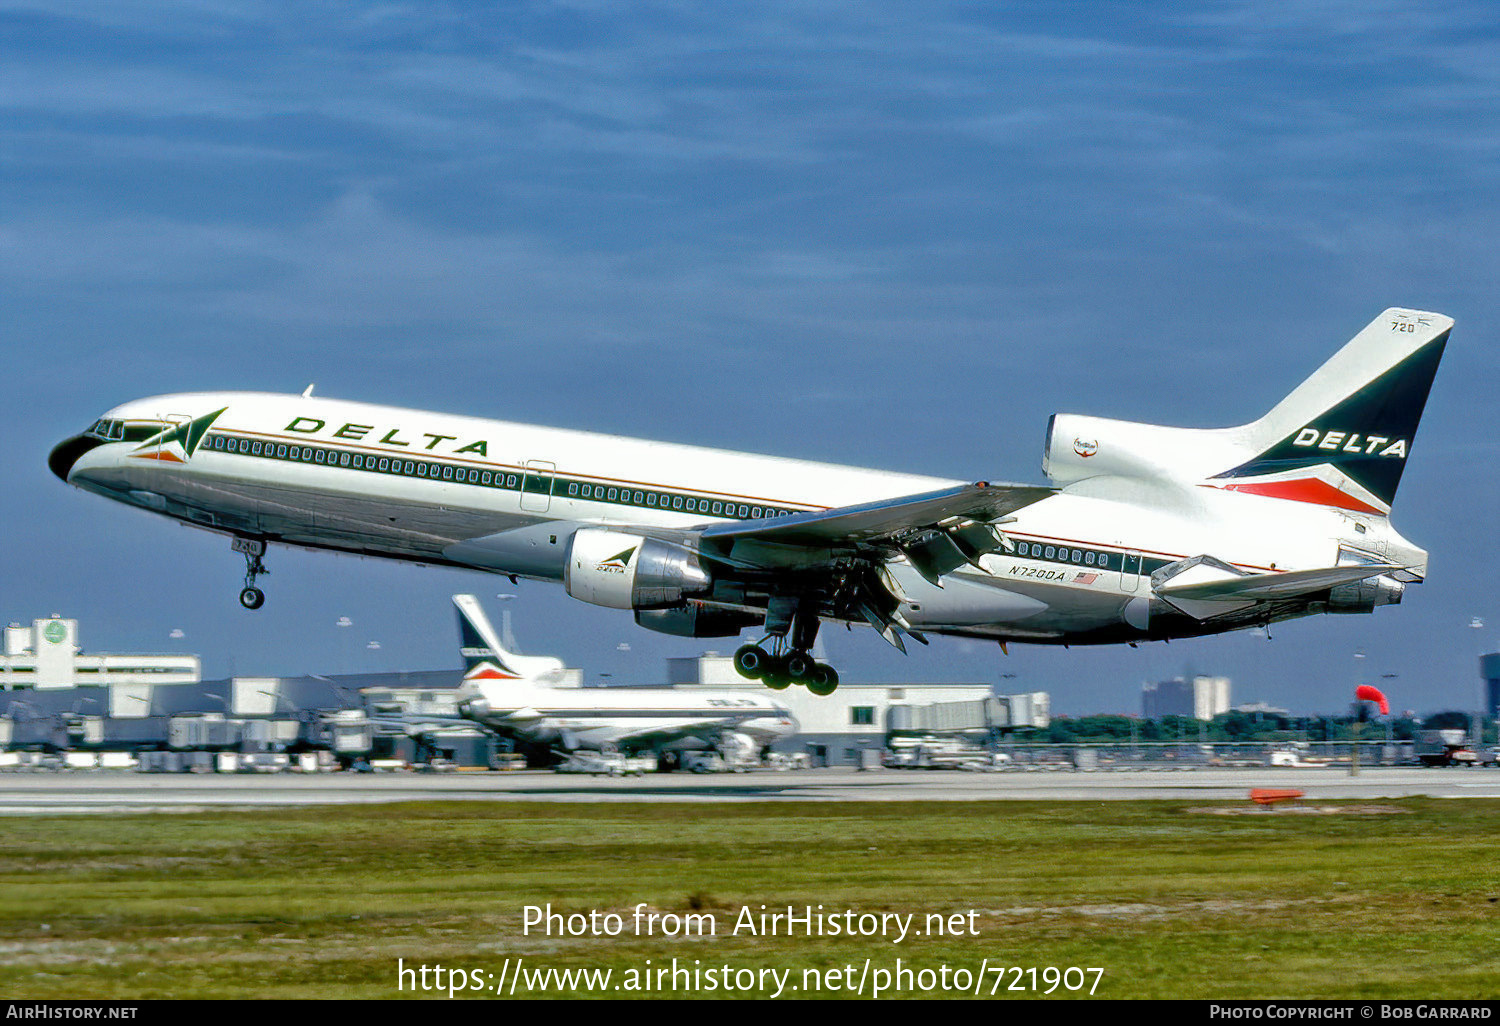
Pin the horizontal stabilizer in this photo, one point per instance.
(1274, 586)
(1204, 587)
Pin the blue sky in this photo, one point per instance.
(888, 234)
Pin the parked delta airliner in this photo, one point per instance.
(516, 696)
(1145, 532)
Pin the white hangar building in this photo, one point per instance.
(836, 729)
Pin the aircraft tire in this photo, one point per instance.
(776, 682)
(825, 680)
(800, 667)
(751, 661)
(252, 598)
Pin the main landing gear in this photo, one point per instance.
(779, 669)
(252, 597)
(787, 662)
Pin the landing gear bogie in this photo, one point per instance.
(784, 655)
(778, 672)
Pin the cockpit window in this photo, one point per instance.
(118, 431)
(141, 432)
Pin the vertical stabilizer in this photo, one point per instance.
(1342, 437)
(486, 659)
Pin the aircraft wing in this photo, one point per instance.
(884, 520)
(842, 553)
(662, 731)
(413, 724)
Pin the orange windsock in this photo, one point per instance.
(1369, 693)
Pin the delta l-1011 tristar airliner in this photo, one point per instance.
(516, 696)
(1145, 533)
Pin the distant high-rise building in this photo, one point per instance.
(1489, 669)
(1202, 698)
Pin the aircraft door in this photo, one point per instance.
(1130, 571)
(162, 449)
(536, 487)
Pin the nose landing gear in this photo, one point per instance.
(252, 597)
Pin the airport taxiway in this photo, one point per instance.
(102, 792)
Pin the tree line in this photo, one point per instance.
(1249, 726)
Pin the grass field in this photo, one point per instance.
(1167, 898)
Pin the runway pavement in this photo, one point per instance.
(41, 793)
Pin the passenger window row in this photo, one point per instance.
(1054, 553)
(534, 483)
(1064, 554)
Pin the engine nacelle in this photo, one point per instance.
(1364, 596)
(1080, 447)
(696, 620)
(626, 571)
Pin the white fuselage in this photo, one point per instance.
(630, 718)
(423, 486)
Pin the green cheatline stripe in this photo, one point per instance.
(554, 485)
(1075, 555)
(541, 484)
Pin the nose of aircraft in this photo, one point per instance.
(66, 453)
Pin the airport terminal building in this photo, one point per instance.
(46, 655)
(157, 709)
(837, 730)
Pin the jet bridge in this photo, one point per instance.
(994, 713)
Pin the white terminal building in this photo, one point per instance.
(835, 729)
(46, 655)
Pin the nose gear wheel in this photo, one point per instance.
(252, 597)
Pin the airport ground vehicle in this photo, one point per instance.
(1447, 748)
(605, 764)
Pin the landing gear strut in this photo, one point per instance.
(252, 597)
(788, 661)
